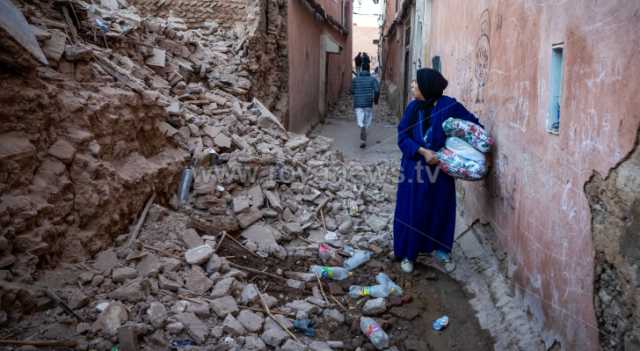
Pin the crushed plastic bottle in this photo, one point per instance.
(440, 323)
(305, 326)
(102, 25)
(353, 208)
(327, 253)
(356, 291)
(212, 157)
(374, 332)
(326, 272)
(383, 278)
(331, 236)
(181, 344)
(185, 185)
(358, 258)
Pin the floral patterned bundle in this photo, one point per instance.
(461, 160)
(469, 132)
(459, 167)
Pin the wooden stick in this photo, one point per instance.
(244, 247)
(338, 303)
(62, 304)
(224, 235)
(255, 309)
(324, 224)
(312, 243)
(41, 343)
(284, 327)
(321, 205)
(235, 265)
(136, 230)
(322, 290)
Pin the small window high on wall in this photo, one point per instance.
(555, 83)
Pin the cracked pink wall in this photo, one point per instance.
(496, 55)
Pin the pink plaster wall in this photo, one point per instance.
(534, 197)
(304, 34)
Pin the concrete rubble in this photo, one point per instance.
(139, 102)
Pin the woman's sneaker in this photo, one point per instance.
(443, 261)
(406, 266)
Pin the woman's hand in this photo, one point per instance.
(429, 156)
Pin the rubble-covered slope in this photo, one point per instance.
(113, 118)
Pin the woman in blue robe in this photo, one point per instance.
(425, 213)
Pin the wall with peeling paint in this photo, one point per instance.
(496, 55)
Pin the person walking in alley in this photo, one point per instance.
(366, 60)
(358, 61)
(425, 212)
(364, 90)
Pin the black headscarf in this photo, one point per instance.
(431, 84)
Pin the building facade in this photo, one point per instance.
(319, 49)
(554, 82)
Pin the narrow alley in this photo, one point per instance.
(190, 175)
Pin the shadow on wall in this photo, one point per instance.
(615, 229)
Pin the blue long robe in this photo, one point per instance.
(425, 215)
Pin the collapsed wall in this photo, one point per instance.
(615, 222)
(111, 119)
(265, 25)
(194, 12)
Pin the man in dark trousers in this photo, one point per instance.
(364, 90)
(358, 61)
(365, 59)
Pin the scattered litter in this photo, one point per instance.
(305, 326)
(356, 291)
(327, 253)
(440, 323)
(102, 306)
(102, 25)
(374, 332)
(383, 278)
(331, 236)
(180, 344)
(357, 258)
(186, 179)
(326, 272)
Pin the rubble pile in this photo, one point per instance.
(125, 106)
(116, 113)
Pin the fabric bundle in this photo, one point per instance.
(469, 132)
(462, 157)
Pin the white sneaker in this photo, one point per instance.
(406, 266)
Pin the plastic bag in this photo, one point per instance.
(459, 167)
(469, 132)
(464, 150)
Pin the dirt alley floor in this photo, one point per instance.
(433, 293)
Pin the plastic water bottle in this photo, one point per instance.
(440, 323)
(383, 278)
(185, 185)
(326, 272)
(374, 332)
(356, 291)
(358, 258)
